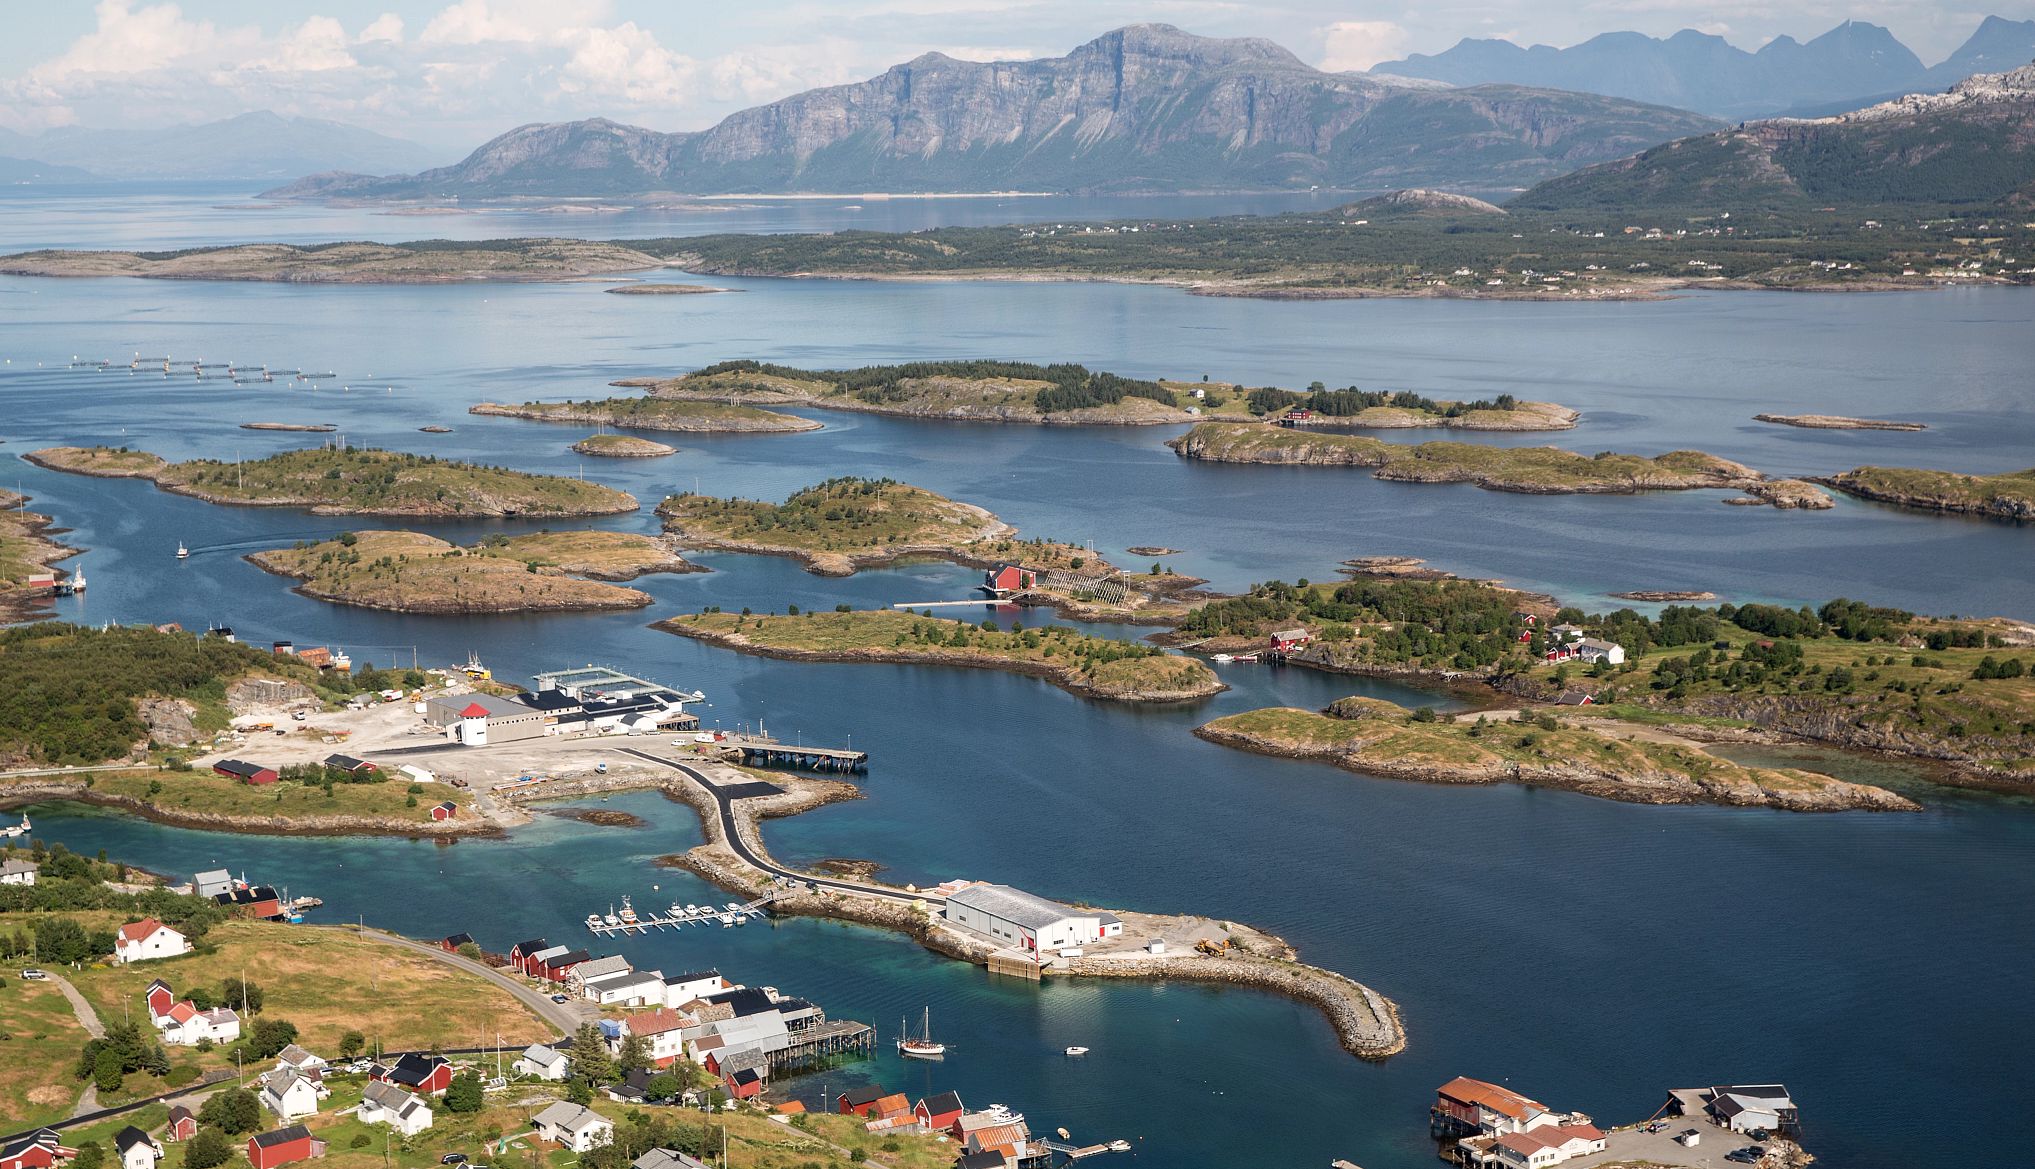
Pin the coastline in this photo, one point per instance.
(33, 530)
(16, 793)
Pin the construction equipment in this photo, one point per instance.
(1212, 949)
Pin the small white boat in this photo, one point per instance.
(183, 553)
(1119, 1146)
(78, 579)
(1002, 1114)
(611, 919)
(1064, 1134)
(741, 919)
(727, 919)
(1077, 1051)
(21, 829)
(691, 909)
(1223, 658)
(677, 910)
(734, 906)
(592, 920)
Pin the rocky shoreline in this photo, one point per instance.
(33, 530)
(847, 563)
(1065, 677)
(1625, 785)
(2008, 497)
(773, 423)
(615, 446)
(15, 793)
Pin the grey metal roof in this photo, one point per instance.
(1014, 905)
(666, 1159)
(595, 967)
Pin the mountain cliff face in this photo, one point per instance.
(1140, 109)
(1973, 145)
(1848, 66)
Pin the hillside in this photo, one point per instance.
(1143, 108)
(1972, 145)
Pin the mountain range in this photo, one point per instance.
(1852, 65)
(1143, 108)
(1974, 146)
(261, 145)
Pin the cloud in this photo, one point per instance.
(386, 27)
(476, 22)
(1360, 44)
(628, 63)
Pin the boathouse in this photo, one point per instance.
(252, 773)
(1004, 578)
(1289, 640)
(452, 943)
(1024, 921)
(445, 811)
(521, 953)
(860, 1101)
(270, 1149)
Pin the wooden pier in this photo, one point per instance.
(700, 915)
(769, 752)
(816, 1046)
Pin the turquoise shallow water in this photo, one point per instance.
(1592, 954)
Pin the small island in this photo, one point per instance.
(1531, 470)
(353, 481)
(408, 572)
(656, 414)
(1094, 667)
(837, 526)
(1660, 595)
(1380, 738)
(622, 446)
(2009, 496)
(664, 290)
(1786, 495)
(305, 427)
(1072, 395)
(423, 262)
(1836, 422)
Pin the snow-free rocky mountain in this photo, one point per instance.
(1852, 65)
(1145, 108)
(259, 145)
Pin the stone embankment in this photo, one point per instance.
(44, 789)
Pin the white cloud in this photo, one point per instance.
(386, 27)
(128, 41)
(476, 22)
(625, 62)
(1360, 44)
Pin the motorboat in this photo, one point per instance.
(1077, 1051)
(741, 919)
(611, 919)
(727, 919)
(593, 920)
(1002, 1114)
(1119, 1146)
(1223, 659)
(183, 553)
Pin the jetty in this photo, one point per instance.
(758, 750)
(678, 917)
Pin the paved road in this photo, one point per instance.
(566, 1016)
(741, 848)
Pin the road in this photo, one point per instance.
(566, 1016)
(740, 847)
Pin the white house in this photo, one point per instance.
(628, 988)
(585, 972)
(300, 1059)
(1548, 1145)
(680, 989)
(542, 1062)
(18, 871)
(396, 1107)
(290, 1094)
(576, 1128)
(146, 939)
(664, 1030)
(186, 1026)
(1592, 649)
(137, 1149)
(1751, 1107)
(1020, 920)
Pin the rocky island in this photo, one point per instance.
(2009, 496)
(354, 481)
(1094, 667)
(424, 262)
(664, 290)
(408, 572)
(1531, 470)
(655, 414)
(622, 446)
(1380, 738)
(1835, 422)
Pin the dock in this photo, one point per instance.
(818, 1046)
(1075, 1152)
(982, 602)
(698, 915)
(757, 750)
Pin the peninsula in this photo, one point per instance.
(1531, 470)
(25, 551)
(420, 262)
(353, 481)
(1073, 395)
(655, 414)
(2010, 496)
(622, 446)
(408, 572)
(1093, 667)
(1380, 738)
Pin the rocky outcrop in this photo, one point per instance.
(1835, 422)
(1788, 494)
(2009, 497)
(169, 721)
(269, 696)
(1142, 108)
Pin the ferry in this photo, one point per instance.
(922, 1045)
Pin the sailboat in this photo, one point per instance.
(183, 553)
(921, 1046)
(21, 829)
(78, 578)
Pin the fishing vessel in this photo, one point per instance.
(340, 660)
(610, 918)
(78, 578)
(922, 1045)
(628, 914)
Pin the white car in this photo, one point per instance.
(35, 975)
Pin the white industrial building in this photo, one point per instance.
(1019, 919)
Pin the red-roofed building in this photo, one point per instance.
(148, 938)
(183, 1124)
(663, 1030)
(159, 998)
(1548, 1145)
(1471, 1106)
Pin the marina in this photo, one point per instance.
(627, 920)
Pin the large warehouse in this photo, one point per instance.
(1017, 918)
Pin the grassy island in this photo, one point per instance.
(1095, 667)
(656, 414)
(1379, 738)
(836, 526)
(355, 481)
(1532, 470)
(1068, 394)
(622, 446)
(408, 572)
(420, 262)
(2009, 496)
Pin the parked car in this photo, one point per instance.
(559, 998)
(32, 975)
(1749, 1155)
(453, 1159)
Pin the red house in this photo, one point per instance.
(860, 1101)
(519, 954)
(37, 1150)
(452, 944)
(555, 969)
(1003, 579)
(745, 1084)
(183, 1124)
(444, 811)
(160, 998)
(1288, 640)
(253, 773)
(425, 1075)
(270, 1149)
(941, 1113)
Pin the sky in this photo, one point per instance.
(452, 73)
